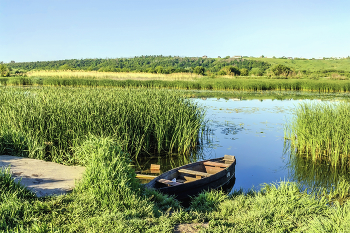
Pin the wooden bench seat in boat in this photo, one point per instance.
(196, 173)
(190, 179)
(215, 164)
(168, 182)
(229, 159)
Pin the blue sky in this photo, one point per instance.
(37, 30)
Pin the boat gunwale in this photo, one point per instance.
(193, 184)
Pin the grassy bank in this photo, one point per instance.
(320, 132)
(109, 199)
(324, 85)
(310, 65)
(46, 123)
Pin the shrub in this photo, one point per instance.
(244, 72)
(4, 71)
(281, 70)
(231, 70)
(199, 70)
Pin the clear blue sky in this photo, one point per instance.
(37, 30)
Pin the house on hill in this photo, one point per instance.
(205, 56)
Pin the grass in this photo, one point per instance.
(109, 199)
(310, 65)
(111, 75)
(46, 123)
(204, 83)
(320, 132)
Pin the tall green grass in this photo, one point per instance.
(321, 132)
(200, 84)
(108, 199)
(46, 123)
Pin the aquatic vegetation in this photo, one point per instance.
(46, 123)
(320, 132)
(205, 83)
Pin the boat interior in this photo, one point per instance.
(196, 171)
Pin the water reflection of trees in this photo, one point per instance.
(310, 174)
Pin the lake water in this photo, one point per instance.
(253, 131)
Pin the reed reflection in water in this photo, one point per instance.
(313, 175)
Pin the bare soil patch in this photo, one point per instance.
(190, 228)
(43, 178)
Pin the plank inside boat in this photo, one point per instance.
(191, 179)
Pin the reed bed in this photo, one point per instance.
(80, 74)
(204, 83)
(321, 132)
(46, 123)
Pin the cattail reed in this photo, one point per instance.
(321, 131)
(48, 122)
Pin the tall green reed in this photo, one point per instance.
(321, 132)
(46, 123)
(198, 84)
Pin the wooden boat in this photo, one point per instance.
(191, 179)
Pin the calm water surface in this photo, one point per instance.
(253, 131)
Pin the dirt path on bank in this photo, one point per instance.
(190, 228)
(43, 178)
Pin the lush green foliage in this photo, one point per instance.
(321, 132)
(199, 70)
(4, 71)
(108, 199)
(244, 72)
(281, 70)
(150, 64)
(314, 69)
(46, 123)
(230, 70)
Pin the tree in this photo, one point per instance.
(231, 70)
(199, 70)
(281, 70)
(159, 69)
(257, 72)
(65, 67)
(244, 72)
(4, 71)
(222, 72)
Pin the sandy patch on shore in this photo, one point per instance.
(190, 228)
(43, 178)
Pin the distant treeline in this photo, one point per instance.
(149, 64)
